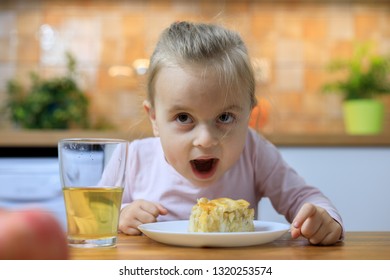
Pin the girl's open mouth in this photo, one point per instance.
(204, 168)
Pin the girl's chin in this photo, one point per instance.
(203, 176)
(203, 181)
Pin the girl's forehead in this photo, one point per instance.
(195, 81)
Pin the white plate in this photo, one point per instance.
(176, 233)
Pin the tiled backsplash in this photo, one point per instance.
(289, 41)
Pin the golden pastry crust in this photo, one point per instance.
(221, 215)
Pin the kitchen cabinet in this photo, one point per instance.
(31, 182)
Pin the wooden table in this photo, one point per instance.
(356, 246)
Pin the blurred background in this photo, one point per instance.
(291, 42)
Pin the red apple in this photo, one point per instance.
(31, 234)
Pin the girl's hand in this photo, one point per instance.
(315, 224)
(137, 213)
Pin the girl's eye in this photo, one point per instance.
(183, 119)
(226, 118)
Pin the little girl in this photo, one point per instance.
(201, 90)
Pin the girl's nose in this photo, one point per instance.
(206, 137)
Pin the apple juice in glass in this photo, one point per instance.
(92, 172)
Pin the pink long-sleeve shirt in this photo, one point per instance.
(259, 172)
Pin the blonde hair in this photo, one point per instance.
(213, 46)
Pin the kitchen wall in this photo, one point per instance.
(290, 43)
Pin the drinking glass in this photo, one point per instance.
(92, 174)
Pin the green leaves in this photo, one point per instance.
(56, 103)
(365, 75)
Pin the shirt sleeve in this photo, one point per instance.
(285, 188)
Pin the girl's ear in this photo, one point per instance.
(152, 116)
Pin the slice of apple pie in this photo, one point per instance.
(221, 215)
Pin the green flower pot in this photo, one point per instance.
(363, 116)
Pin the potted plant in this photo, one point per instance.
(56, 103)
(364, 77)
